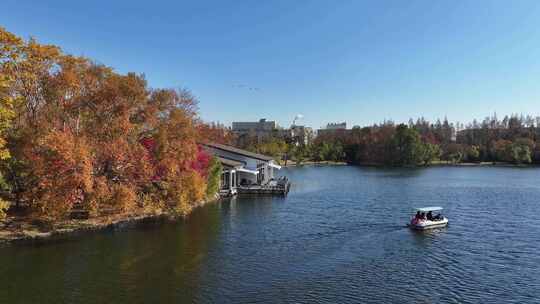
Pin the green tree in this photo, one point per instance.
(298, 154)
(503, 150)
(430, 152)
(406, 147)
(214, 175)
(520, 154)
(275, 147)
(453, 153)
(473, 153)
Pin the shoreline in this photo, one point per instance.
(23, 230)
(291, 164)
(20, 229)
(447, 164)
(485, 164)
(481, 164)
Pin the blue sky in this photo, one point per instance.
(355, 61)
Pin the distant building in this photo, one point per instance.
(336, 126)
(259, 129)
(264, 129)
(301, 135)
(259, 126)
(332, 128)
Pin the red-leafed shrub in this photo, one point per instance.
(201, 163)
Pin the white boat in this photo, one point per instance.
(426, 219)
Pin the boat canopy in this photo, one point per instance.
(428, 209)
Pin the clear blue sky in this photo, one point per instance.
(354, 61)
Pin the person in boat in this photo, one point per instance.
(423, 216)
(430, 216)
(416, 218)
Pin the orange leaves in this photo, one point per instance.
(123, 197)
(9, 46)
(175, 140)
(185, 191)
(88, 137)
(62, 167)
(214, 133)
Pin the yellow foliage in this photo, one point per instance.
(186, 191)
(152, 202)
(3, 208)
(6, 114)
(9, 45)
(99, 196)
(123, 197)
(120, 197)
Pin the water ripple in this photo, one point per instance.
(339, 237)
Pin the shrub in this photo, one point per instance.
(100, 196)
(214, 176)
(123, 198)
(4, 206)
(186, 191)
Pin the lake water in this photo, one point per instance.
(339, 237)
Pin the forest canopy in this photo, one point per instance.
(510, 140)
(513, 140)
(77, 134)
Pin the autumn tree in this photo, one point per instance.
(6, 115)
(81, 135)
(61, 169)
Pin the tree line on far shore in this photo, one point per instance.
(75, 134)
(514, 139)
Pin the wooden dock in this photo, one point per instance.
(280, 187)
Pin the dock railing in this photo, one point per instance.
(279, 186)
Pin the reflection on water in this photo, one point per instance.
(339, 237)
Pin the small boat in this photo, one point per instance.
(426, 219)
